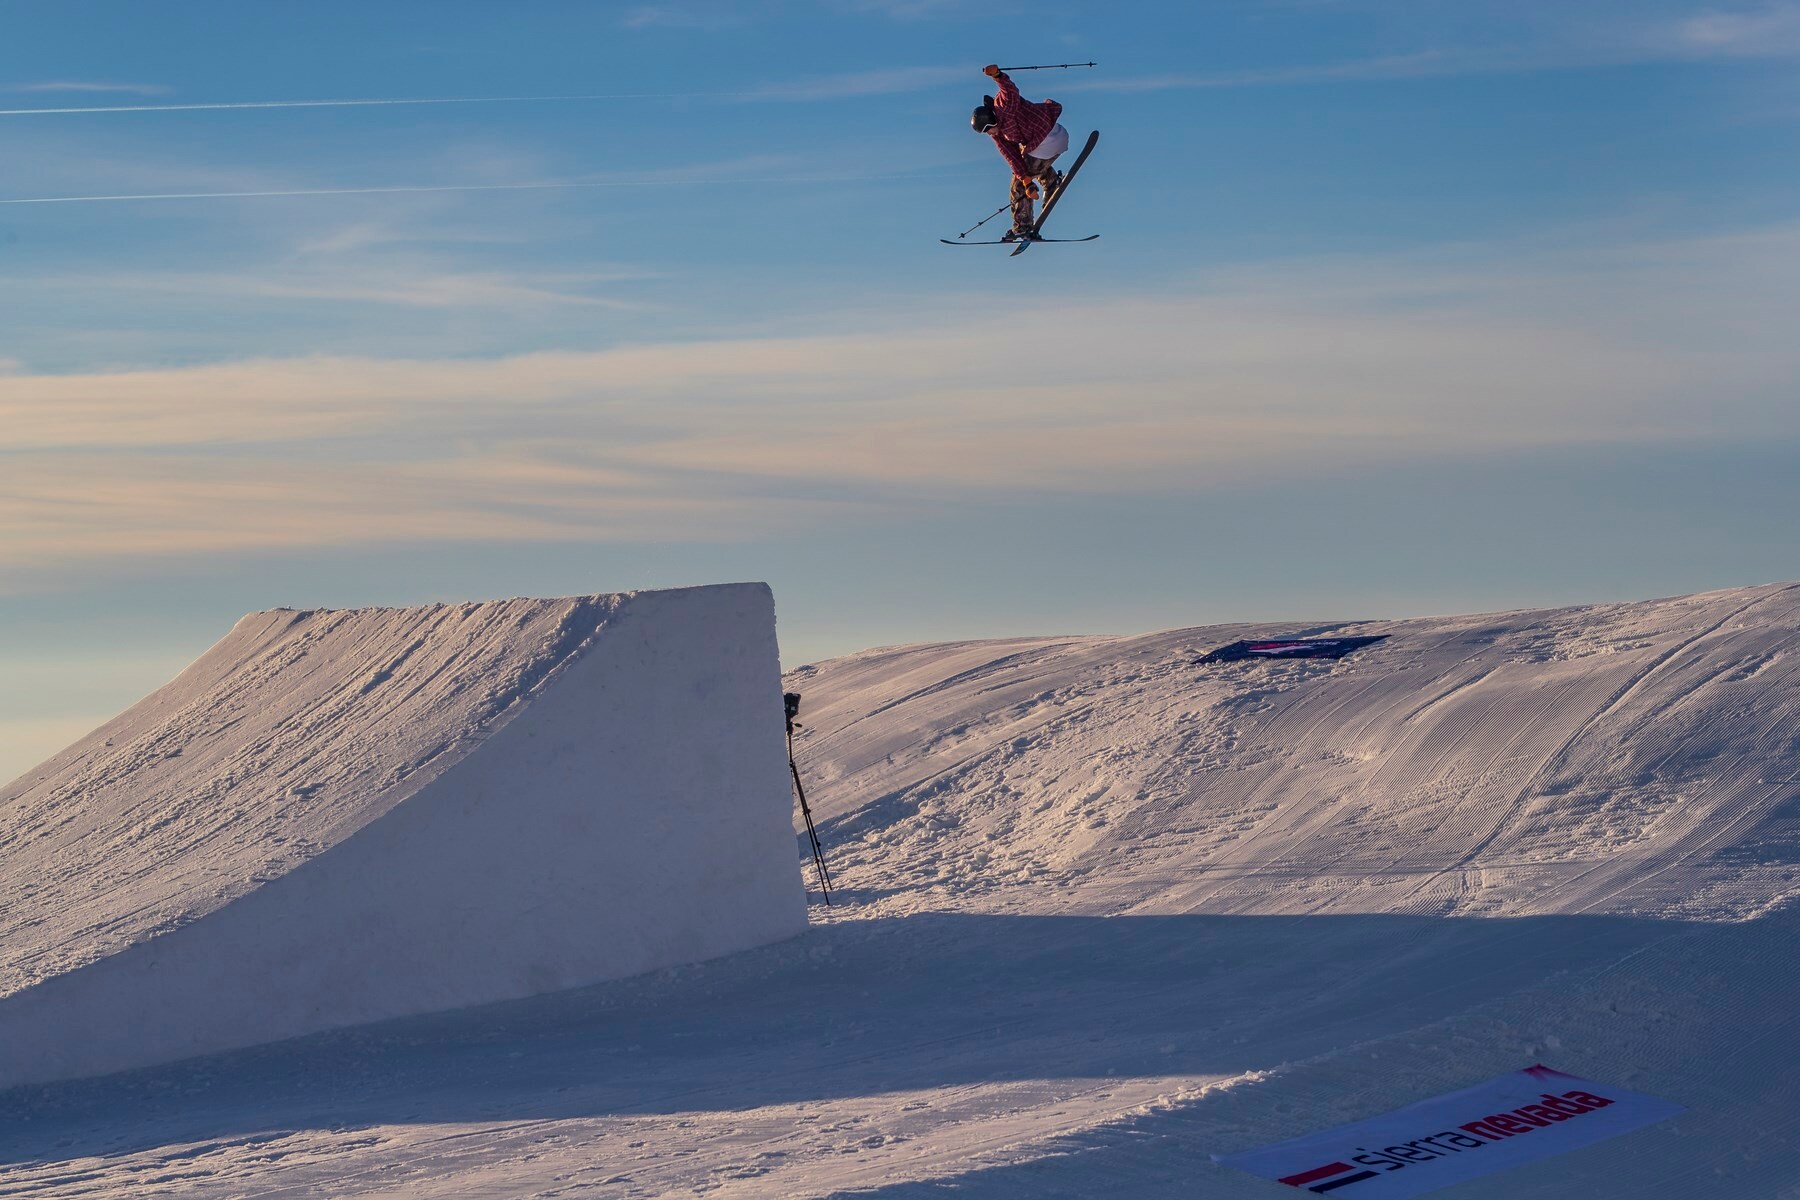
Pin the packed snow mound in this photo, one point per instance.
(1626, 759)
(294, 731)
(340, 816)
(1104, 911)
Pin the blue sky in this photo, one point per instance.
(1399, 306)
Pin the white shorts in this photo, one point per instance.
(1054, 143)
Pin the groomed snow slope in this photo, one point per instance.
(1106, 912)
(337, 817)
(1632, 758)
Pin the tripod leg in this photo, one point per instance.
(811, 832)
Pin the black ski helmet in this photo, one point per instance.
(982, 119)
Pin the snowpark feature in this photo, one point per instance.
(1289, 648)
(340, 817)
(1103, 914)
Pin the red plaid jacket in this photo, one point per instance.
(1019, 124)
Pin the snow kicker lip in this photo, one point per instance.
(1291, 648)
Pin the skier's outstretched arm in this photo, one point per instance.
(1008, 91)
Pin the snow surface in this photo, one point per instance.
(1106, 911)
(338, 817)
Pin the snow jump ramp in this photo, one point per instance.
(336, 817)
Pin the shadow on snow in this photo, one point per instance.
(859, 1008)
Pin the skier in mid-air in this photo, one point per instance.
(1030, 138)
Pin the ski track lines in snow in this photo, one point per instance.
(1561, 762)
(1104, 911)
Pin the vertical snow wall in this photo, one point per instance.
(491, 801)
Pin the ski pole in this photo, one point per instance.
(1049, 67)
(977, 225)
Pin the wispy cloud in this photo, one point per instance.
(862, 83)
(685, 15)
(1562, 39)
(918, 10)
(374, 102)
(874, 80)
(363, 236)
(753, 169)
(71, 85)
(268, 193)
(1290, 368)
(1419, 65)
(195, 505)
(398, 286)
(1771, 30)
(713, 15)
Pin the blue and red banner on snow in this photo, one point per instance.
(1505, 1122)
(1291, 648)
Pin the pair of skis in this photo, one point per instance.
(1020, 245)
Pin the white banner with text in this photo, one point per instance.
(1505, 1122)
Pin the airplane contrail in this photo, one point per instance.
(150, 108)
(865, 83)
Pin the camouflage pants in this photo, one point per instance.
(1042, 171)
